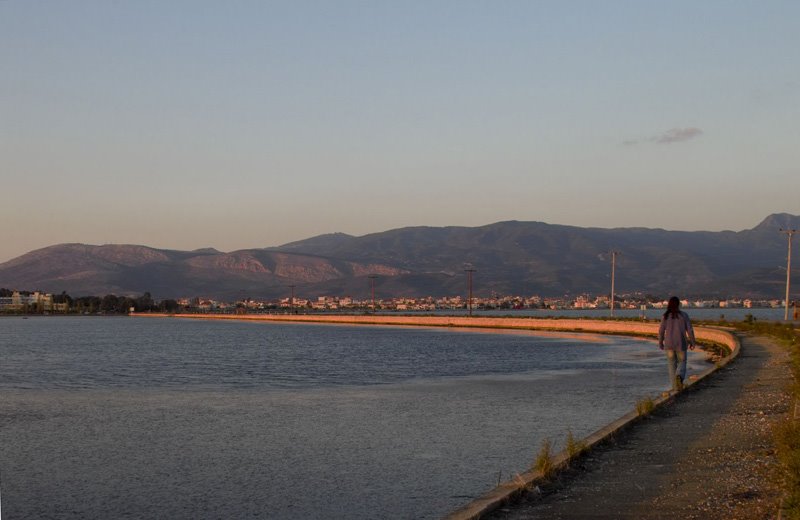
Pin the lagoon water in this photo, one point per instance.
(143, 418)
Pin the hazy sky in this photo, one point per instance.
(250, 124)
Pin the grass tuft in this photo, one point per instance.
(787, 442)
(645, 406)
(574, 446)
(544, 460)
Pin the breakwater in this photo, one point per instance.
(636, 328)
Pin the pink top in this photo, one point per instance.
(674, 331)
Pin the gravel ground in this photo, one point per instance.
(708, 455)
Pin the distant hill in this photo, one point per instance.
(510, 258)
(127, 269)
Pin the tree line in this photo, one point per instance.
(108, 304)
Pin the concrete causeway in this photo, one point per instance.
(708, 454)
(642, 328)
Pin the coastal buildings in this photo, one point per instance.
(35, 301)
(39, 302)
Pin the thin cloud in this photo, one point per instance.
(674, 135)
(678, 135)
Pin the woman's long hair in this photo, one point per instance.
(673, 307)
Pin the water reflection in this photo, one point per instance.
(184, 419)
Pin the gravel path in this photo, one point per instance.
(708, 455)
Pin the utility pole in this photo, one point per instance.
(613, 273)
(469, 272)
(291, 301)
(372, 284)
(788, 233)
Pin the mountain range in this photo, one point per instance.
(521, 258)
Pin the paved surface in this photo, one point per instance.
(707, 455)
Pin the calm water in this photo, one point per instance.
(124, 417)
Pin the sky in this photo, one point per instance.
(243, 124)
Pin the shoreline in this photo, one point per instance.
(508, 491)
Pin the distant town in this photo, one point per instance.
(36, 302)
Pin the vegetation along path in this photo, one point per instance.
(709, 454)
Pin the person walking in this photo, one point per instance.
(674, 335)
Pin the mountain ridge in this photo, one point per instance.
(511, 257)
